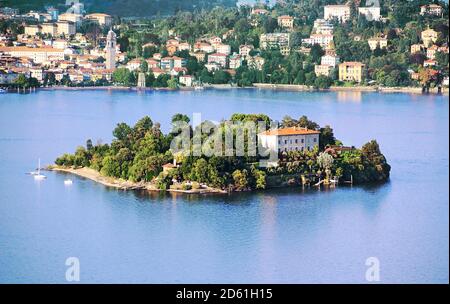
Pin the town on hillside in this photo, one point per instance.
(349, 43)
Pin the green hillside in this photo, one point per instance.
(124, 7)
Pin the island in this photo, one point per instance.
(200, 159)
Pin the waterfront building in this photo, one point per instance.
(111, 42)
(321, 69)
(38, 55)
(186, 80)
(351, 71)
(339, 12)
(289, 139)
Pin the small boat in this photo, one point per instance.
(37, 175)
(199, 88)
(68, 182)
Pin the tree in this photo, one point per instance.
(304, 122)
(322, 82)
(221, 77)
(260, 179)
(288, 121)
(122, 131)
(172, 83)
(123, 76)
(417, 58)
(110, 167)
(144, 66)
(23, 82)
(316, 53)
(199, 171)
(326, 137)
(240, 179)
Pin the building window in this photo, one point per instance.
(290, 141)
(296, 141)
(315, 139)
(285, 141)
(279, 142)
(303, 141)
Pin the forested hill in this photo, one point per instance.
(124, 8)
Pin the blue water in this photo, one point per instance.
(277, 236)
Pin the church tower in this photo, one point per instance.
(111, 50)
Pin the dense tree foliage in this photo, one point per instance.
(139, 152)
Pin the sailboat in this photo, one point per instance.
(37, 175)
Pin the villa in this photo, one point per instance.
(289, 139)
(286, 21)
(351, 71)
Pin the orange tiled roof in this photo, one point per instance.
(290, 131)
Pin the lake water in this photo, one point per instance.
(278, 236)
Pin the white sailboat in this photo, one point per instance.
(68, 182)
(37, 175)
